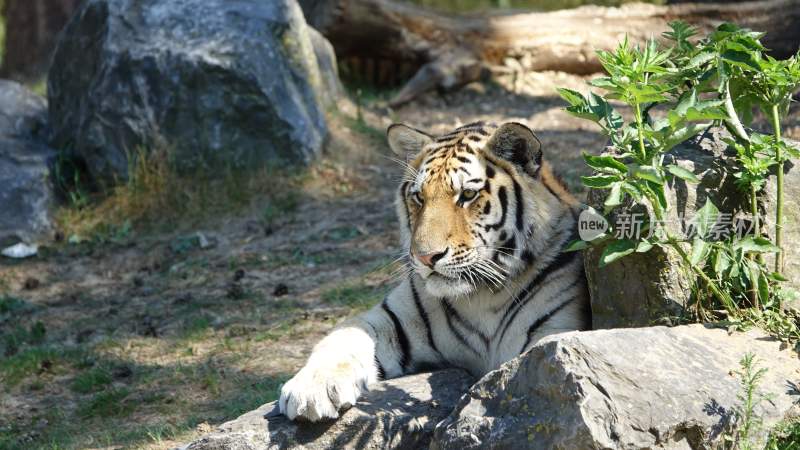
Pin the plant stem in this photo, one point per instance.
(638, 113)
(776, 128)
(754, 211)
(757, 233)
(723, 297)
(733, 118)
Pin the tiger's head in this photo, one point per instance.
(470, 203)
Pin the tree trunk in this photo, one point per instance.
(32, 27)
(450, 50)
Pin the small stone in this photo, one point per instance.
(31, 283)
(280, 290)
(122, 372)
(20, 251)
(203, 241)
(238, 275)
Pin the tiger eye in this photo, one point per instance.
(468, 194)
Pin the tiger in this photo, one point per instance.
(484, 227)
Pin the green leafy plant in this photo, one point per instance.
(643, 78)
(746, 423)
(676, 91)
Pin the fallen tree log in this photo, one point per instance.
(450, 50)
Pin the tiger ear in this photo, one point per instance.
(406, 141)
(517, 144)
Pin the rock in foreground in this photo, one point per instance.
(645, 388)
(399, 413)
(219, 83)
(26, 190)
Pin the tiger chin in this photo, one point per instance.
(484, 224)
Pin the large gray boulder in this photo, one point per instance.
(217, 83)
(26, 188)
(647, 388)
(399, 413)
(644, 289)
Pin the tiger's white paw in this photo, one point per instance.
(318, 393)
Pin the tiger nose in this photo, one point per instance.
(430, 259)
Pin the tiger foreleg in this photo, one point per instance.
(339, 370)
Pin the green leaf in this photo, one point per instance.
(576, 245)
(778, 277)
(616, 250)
(700, 250)
(605, 164)
(574, 98)
(644, 247)
(683, 174)
(632, 190)
(614, 196)
(722, 262)
(742, 59)
(706, 218)
(684, 133)
(648, 173)
(700, 59)
(756, 244)
(763, 286)
(600, 181)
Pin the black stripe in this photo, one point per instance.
(528, 292)
(424, 315)
(404, 196)
(520, 206)
(543, 319)
(551, 191)
(527, 257)
(378, 365)
(463, 159)
(402, 339)
(464, 323)
(446, 306)
(510, 246)
(381, 371)
(489, 171)
(501, 194)
(487, 208)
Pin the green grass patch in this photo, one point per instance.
(35, 361)
(114, 402)
(9, 304)
(278, 207)
(354, 295)
(252, 395)
(785, 437)
(91, 380)
(276, 332)
(195, 327)
(20, 336)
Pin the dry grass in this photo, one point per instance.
(156, 196)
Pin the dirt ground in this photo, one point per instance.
(151, 339)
